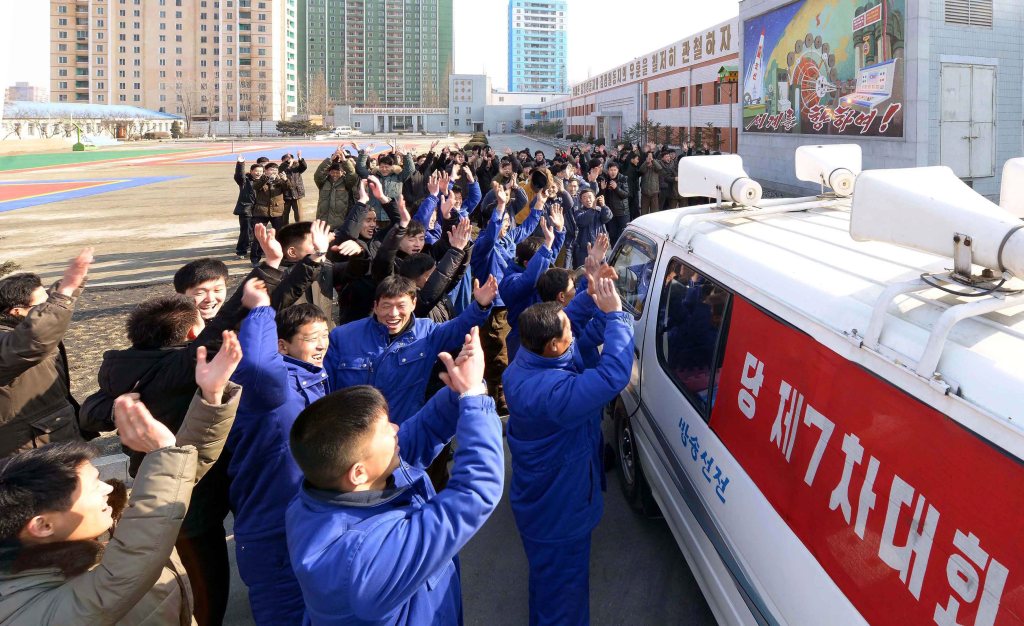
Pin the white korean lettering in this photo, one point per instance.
(919, 539)
(813, 418)
(867, 498)
(751, 379)
(965, 581)
(841, 494)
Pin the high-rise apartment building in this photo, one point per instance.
(206, 60)
(537, 46)
(391, 53)
(24, 92)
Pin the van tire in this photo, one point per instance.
(631, 474)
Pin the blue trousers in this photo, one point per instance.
(559, 581)
(266, 569)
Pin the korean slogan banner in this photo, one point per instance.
(914, 517)
(825, 67)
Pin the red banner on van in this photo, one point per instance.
(915, 518)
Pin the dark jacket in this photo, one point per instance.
(36, 406)
(313, 283)
(246, 195)
(617, 199)
(333, 202)
(165, 378)
(589, 224)
(389, 557)
(296, 188)
(432, 299)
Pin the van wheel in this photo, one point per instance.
(631, 475)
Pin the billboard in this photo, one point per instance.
(825, 67)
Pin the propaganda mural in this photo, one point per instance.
(826, 67)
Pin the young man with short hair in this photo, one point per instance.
(394, 350)
(268, 208)
(282, 372)
(370, 539)
(305, 247)
(244, 203)
(294, 167)
(36, 405)
(54, 569)
(335, 178)
(554, 435)
(206, 282)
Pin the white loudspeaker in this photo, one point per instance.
(1011, 193)
(708, 176)
(836, 166)
(925, 207)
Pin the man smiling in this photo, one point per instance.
(282, 364)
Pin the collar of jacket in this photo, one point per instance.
(400, 487)
(70, 558)
(306, 373)
(9, 321)
(530, 360)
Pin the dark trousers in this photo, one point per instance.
(634, 206)
(244, 235)
(616, 226)
(292, 207)
(202, 547)
(649, 203)
(559, 581)
(266, 569)
(492, 340)
(669, 200)
(277, 223)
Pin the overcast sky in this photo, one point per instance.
(602, 34)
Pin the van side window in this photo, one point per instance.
(693, 321)
(633, 260)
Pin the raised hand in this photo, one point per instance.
(322, 235)
(74, 275)
(348, 248)
(403, 213)
(548, 233)
(137, 427)
(298, 154)
(557, 217)
(500, 194)
(444, 181)
(468, 173)
(466, 372)
(241, 158)
(364, 197)
(485, 294)
(606, 296)
(254, 294)
(376, 188)
(212, 376)
(434, 145)
(433, 184)
(447, 202)
(458, 237)
(600, 247)
(272, 252)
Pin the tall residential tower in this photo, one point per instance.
(206, 60)
(537, 46)
(390, 53)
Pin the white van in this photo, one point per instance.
(343, 131)
(833, 436)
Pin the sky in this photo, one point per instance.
(602, 34)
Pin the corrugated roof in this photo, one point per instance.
(50, 110)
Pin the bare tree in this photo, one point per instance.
(189, 98)
(316, 98)
(372, 98)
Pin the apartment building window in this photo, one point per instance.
(699, 95)
(62, 21)
(62, 47)
(99, 98)
(62, 34)
(62, 9)
(62, 98)
(62, 84)
(62, 72)
(62, 60)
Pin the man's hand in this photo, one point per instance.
(322, 235)
(137, 428)
(348, 248)
(272, 252)
(613, 184)
(376, 188)
(548, 233)
(434, 145)
(557, 217)
(599, 249)
(241, 158)
(466, 372)
(500, 195)
(606, 296)
(458, 237)
(599, 203)
(212, 376)
(540, 198)
(447, 202)
(485, 294)
(508, 151)
(444, 182)
(403, 213)
(468, 172)
(298, 154)
(254, 294)
(74, 275)
(363, 197)
(433, 184)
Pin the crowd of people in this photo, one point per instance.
(346, 403)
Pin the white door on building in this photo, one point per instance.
(967, 122)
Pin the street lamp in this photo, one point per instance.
(729, 75)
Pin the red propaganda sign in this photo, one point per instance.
(868, 18)
(915, 518)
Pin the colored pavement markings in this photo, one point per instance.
(20, 194)
(50, 159)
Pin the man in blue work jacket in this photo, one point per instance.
(554, 435)
(395, 351)
(370, 540)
